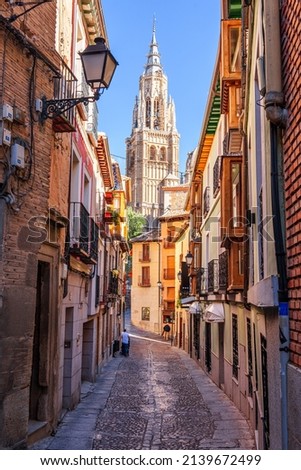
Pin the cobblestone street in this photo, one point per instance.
(156, 403)
(157, 398)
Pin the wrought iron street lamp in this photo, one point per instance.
(189, 259)
(99, 66)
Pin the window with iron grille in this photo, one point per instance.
(206, 206)
(216, 176)
(213, 268)
(250, 363)
(208, 346)
(265, 393)
(234, 346)
(223, 271)
(260, 238)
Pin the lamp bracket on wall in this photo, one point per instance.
(53, 108)
(32, 5)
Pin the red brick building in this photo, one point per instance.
(291, 64)
(56, 252)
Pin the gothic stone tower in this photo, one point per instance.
(152, 150)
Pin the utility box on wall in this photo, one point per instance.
(17, 155)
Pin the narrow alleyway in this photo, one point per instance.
(157, 398)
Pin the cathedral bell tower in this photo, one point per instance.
(152, 150)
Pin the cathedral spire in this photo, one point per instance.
(153, 64)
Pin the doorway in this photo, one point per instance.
(40, 366)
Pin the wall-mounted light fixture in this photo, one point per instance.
(99, 66)
(159, 284)
(189, 260)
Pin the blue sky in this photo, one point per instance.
(187, 34)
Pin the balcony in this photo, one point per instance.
(223, 271)
(109, 197)
(213, 271)
(113, 290)
(202, 282)
(65, 87)
(83, 234)
(108, 217)
(94, 231)
(206, 206)
(233, 142)
(230, 60)
(99, 290)
(216, 176)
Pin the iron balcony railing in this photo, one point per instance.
(213, 272)
(202, 281)
(65, 88)
(93, 240)
(113, 285)
(216, 176)
(206, 206)
(83, 233)
(223, 271)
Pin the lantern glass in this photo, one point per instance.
(189, 259)
(98, 64)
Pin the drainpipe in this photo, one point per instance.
(277, 115)
(274, 98)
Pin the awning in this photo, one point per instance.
(187, 300)
(195, 308)
(214, 313)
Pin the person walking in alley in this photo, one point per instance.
(125, 343)
(166, 331)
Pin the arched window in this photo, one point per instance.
(163, 154)
(156, 114)
(152, 153)
(147, 112)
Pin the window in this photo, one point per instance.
(231, 55)
(234, 41)
(145, 252)
(232, 221)
(147, 112)
(144, 279)
(234, 346)
(206, 201)
(145, 313)
(216, 176)
(250, 363)
(230, 63)
(208, 346)
(152, 153)
(156, 114)
(236, 193)
(235, 267)
(163, 154)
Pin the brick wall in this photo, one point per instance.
(291, 48)
(27, 62)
